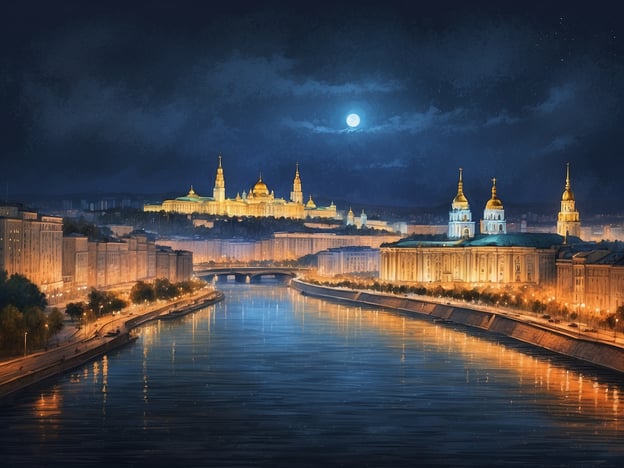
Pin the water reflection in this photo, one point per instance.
(576, 392)
(273, 378)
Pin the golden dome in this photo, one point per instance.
(192, 193)
(260, 189)
(567, 195)
(460, 198)
(310, 204)
(494, 203)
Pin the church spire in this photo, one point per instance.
(460, 200)
(567, 186)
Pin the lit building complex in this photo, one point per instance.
(31, 245)
(493, 257)
(258, 202)
(282, 246)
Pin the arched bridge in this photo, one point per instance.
(244, 273)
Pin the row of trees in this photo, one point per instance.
(162, 288)
(24, 324)
(101, 303)
(523, 299)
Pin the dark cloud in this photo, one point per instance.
(143, 96)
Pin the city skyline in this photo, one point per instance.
(143, 99)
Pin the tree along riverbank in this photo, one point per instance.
(25, 371)
(554, 338)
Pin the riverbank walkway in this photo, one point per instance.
(76, 344)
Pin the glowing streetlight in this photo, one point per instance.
(25, 335)
(615, 329)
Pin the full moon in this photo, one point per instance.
(353, 120)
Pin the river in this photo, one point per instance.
(269, 377)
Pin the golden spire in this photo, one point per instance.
(568, 195)
(460, 201)
(567, 176)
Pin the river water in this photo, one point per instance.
(272, 378)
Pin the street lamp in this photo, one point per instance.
(615, 329)
(25, 335)
(84, 317)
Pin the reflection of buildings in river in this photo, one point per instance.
(581, 393)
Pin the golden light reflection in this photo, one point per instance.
(47, 410)
(580, 393)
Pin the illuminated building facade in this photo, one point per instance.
(31, 244)
(516, 259)
(258, 202)
(568, 220)
(590, 282)
(116, 262)
(280, 247)
(345, 260)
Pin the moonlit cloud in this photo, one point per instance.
(148, 97)
(557, 97)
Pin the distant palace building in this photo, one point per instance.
(258, 202)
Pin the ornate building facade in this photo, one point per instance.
(258, 202)
(517, 259)
(493, 257)
(568, 220)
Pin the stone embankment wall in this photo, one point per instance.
(570, 344)
(66, 363)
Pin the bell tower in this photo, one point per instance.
(460, 224)
(218, 192)
(296, 196)
(568, 220)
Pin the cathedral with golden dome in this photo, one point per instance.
(461, 225)
(259, 201)
(492, 257)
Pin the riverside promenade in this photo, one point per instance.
(596, 347)
(74, 346)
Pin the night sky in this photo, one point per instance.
(143, 96)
